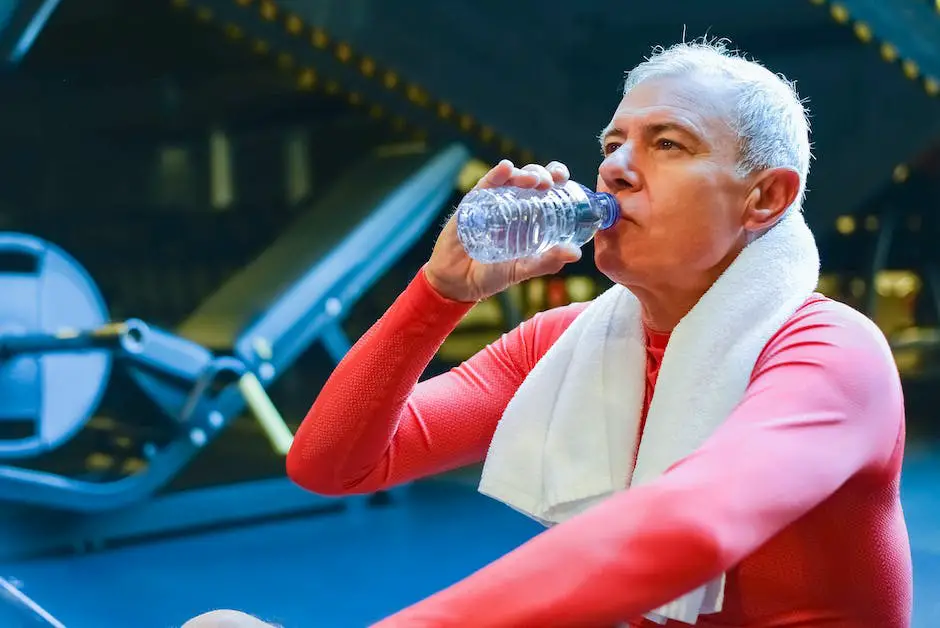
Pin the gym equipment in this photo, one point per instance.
(57, 346)
(18, 609)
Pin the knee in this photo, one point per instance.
(226, 619)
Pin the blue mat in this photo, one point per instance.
(348, 570)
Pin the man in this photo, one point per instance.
(789, 505)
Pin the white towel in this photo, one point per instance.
(567, 438)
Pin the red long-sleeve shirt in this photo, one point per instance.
(795, 497)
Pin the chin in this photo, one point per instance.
(613, 264)
(609, 261)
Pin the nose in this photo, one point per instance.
(618, 170)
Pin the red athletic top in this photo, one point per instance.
(795, 496)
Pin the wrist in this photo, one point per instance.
(444, 289)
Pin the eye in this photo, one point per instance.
(610, 147)
(667, 144)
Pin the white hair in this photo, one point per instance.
(768, 116)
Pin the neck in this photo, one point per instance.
(664, 308)
(665, 304)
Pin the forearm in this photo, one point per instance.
(351, 425)
(609, 565)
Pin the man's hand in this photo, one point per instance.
(456, 276)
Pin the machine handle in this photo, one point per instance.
(263, 408)
(128, 334)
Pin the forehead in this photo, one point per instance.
(696, 101)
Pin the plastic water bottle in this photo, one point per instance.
(508, 223)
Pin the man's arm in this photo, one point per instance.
(824, 403)
(373, 426)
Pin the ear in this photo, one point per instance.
(774, 191)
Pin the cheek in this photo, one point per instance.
(667, 241)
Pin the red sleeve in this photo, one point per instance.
(823, 404)
(374, 426)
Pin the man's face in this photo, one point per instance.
(670, 158)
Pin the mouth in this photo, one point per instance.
(625, 216)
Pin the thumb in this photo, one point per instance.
(548, 263)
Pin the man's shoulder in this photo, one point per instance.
(819, 309)
(825, 327)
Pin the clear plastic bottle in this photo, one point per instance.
(508, 223)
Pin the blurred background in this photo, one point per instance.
(230, 192)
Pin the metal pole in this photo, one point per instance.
(880, 257)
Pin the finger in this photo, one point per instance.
(548, 263)
(522, 178)
(498, 175)
(545, 178)
(559, 172)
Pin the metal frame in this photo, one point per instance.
(50, 511)
(15, 602)
(25, 23)
(29, 532)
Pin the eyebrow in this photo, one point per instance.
(649, 130)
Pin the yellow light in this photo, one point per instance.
(857, 288)
(417, 95)
(260, 47)
(319, 39)
(444, 110)
(580, 288)
(871, 223)
(888, 52)
(907, 361)
(910, 68)
(99, 461)
(355, 98)
(367, 66)
(486, 134)
(233, 31)
(901, 173)
(133, 465)
(466, 122)
(527, 156)
(470, 174)
(376, 111)
(932, 86)
(268, 10)
(537, 291)
(332, 87)
(897, 283)
(343, 52)
(204, 14)
(285, 61)
(828, 284)
(506, 146)
(845, 224)
(179, 4)
(390, 80)
(307, 78)
(294, 24)
(839, 13)
(819, 2)
(862, 31)
(243, 3)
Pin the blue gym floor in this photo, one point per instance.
(337, 570)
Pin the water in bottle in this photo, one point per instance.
(507, 223)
